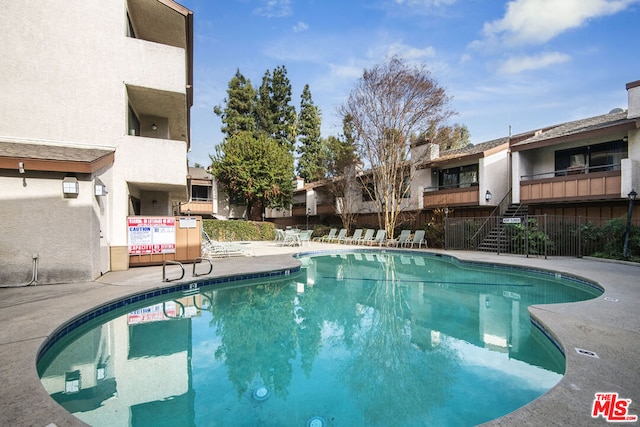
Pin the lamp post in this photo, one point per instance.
(308, 213)
(632, 196)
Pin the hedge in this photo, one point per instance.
(228, 231)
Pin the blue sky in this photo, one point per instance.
(521, 63)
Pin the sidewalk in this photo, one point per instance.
(608, 326)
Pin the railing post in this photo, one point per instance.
(579, 236)
(526, 235)
(546, 240)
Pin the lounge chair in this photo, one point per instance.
(305, 236)
(291, 238)
(368, 236)
(215, 249)
(279, 235)
(327, 237)
(379, 238)
(402, 239)
(418, 239)
(353, 240)
(341, 235)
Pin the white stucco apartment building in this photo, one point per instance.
(95, 101)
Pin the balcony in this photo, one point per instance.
(299, 211)
(197, 207)
(571, 185)
(467, 196)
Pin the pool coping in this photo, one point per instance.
(608, 326)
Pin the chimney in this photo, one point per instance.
(633, 91)
(424, 150)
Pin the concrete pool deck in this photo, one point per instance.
(608, 326)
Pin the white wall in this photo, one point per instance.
(63, 81)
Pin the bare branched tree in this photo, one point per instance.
(389, 104)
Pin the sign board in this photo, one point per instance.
(511, 220)
(155, 313)
(188, 222)
(151, 235)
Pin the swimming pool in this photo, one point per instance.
(365, 338)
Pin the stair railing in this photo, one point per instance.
(497, 212)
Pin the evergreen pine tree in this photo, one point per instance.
(310, 162)
(239, 112)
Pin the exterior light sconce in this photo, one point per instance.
(70, 186)
(188, 212)
(488, 195)
(100, 189)
(154, 127)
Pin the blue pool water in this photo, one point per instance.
(352, 339)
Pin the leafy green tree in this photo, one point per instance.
(254, 167)
(275, 116)
(239, 111)
(310, 162)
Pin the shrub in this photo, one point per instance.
(226, 231)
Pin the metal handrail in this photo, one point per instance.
(198, 260)
(164, 310)
(568, 172)
(164, 265)
(498, 211)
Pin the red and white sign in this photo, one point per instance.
(612, 408)
(154, 313)
(151, 235)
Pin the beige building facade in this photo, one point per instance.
(95, 99)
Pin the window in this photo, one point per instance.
(590, 158)
(369, 192)
(200, 192)
(460, 177)
(406, 188)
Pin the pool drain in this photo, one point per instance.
(261, 393)
(316, 422)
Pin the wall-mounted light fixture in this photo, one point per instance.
(488, 195)
(70, 186)
(154, 127)
(100, 189)
(20, 167)
(154, 202)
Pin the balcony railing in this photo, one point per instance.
(466, 196)
(197, 207)
(602, 182)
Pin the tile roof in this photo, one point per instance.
(51, 152)
(199, 173)
(468, 151)
(579, 127)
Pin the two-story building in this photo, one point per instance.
(95, 101)
(581, 168)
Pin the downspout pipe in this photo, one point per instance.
(34, 274)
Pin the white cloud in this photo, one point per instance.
(425, 3)
(274, 8)
(519, 64)
(410, 53)
(300, 26)
(538, 21)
